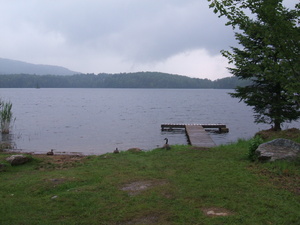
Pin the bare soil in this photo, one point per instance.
(137, 187)
(59, 161)
(291, 133)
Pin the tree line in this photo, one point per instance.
(121, 80)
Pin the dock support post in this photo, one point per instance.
(223, 130)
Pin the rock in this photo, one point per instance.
(54, 197)
(136, 187)
(278, 149)
(214, 212)
(15, 160)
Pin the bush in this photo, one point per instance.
(254, 143)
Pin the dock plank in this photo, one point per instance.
(198, 136)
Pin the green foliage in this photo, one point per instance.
(253, 145)
(269, 57)
(123, 80)
(6, 116)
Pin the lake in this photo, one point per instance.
(96, 121)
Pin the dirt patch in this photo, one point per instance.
(54, 182)
(57, 180)
(288, 180)
(290, 183)
(214, 212)
(291, 133)
(149, 219)
(199, 148)
(58, 161)
(136, 187)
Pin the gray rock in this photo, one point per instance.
(15, 160)
(54, 197)
(278, 149)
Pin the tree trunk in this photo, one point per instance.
(277, 125)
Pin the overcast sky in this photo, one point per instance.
(111, 36)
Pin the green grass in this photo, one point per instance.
(186, 181)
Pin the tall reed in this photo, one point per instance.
(6, 116)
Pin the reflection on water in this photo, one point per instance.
(95, 121)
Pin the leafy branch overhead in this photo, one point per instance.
(268, 54)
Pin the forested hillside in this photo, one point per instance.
(122, 80)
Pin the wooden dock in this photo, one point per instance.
(196, 134)
(170, 126)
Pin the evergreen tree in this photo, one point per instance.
(268, 55)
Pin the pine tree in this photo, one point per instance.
(268, 55)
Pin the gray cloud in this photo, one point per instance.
(134, 31)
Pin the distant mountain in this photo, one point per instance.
(8, 66)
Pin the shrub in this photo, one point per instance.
(254, 143)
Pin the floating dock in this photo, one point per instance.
(196, 134)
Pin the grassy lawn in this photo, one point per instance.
(184, 185)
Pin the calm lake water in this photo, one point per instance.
(96, 121)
